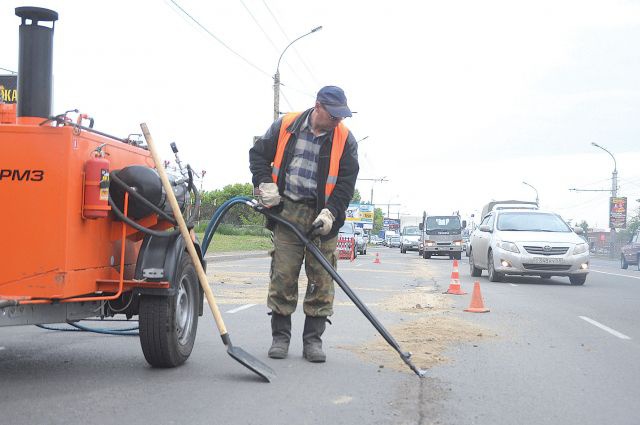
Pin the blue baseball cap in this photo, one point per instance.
(334, 101)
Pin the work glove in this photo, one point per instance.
(323, 223)
(269, 195)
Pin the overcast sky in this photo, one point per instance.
(461, 101)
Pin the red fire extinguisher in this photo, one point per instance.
(96, 185)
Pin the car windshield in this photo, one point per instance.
(411, 231)
(531, 222)
(443, 223)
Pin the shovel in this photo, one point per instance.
(406, 356)
(237, 353)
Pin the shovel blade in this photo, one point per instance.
(251, 363)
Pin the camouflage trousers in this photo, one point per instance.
(286, 262)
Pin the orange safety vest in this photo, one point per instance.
(339, 140)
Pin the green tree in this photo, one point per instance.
(584, 226)
(377, 220)
(237, 215)
(356, 197)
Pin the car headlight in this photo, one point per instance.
(508, 246)
(580, 248)
(457, 243)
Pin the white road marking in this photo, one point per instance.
(1, 348)
(615, 274)
(605, 328)
(513, 284)
(242, 307)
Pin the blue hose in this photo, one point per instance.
(80, 328)
(217, 218)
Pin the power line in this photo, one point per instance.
(259, 26)
(287, 37)
(220, 41)
(8, 70)
(264, 32)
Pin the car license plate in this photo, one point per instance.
(546, 260)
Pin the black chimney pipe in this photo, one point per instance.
(35, 62)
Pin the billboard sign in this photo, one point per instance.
(360, 213)
(618, 213)
(9, 88)
(391, 224)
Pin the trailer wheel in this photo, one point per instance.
(168, 324)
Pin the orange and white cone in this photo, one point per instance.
(377, 259)
(454, 286)
(477, 305)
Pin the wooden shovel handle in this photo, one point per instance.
(202, 276)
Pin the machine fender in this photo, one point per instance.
(161, 255)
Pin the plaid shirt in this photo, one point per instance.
(300, 181)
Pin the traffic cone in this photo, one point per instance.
(454, 286)
(377, 259)
(477, 305)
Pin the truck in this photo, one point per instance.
(89, 231)
(441, 235)
(510, 204)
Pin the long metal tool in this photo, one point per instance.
(237, 353)
(406, 356)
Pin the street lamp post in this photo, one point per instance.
(614, 177)
(614, 192)
(537, 200)
(276, 77)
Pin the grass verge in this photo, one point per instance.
(227, 243)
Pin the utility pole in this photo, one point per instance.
(382, 179)
(614, 192)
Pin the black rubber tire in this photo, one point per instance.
(578, 279)
(623, 262)
(494, 276)
(166, 342)
(426, 255)
(473, 270)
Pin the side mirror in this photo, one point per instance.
(421, 226)
(485, 228)
(578, 230)
(464, 224)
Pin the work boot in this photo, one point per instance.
(281, 332)
(312, 343)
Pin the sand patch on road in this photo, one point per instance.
(428, 327)
(426, 338)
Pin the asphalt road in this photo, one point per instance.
(558, 354)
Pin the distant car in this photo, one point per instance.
(630, 253)
(348, 230)
(394, 242)
(361, 242)
(409, 239)
(375, 240)
(528, 242)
